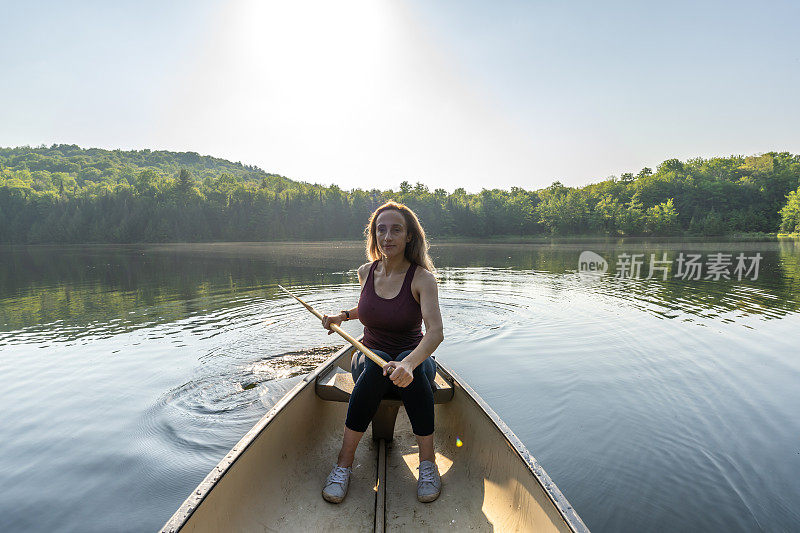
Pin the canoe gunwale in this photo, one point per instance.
(560, 501)
(185, 511)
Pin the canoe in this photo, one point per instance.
(272, 478)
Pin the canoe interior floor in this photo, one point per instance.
(455, 509)
(304, 475)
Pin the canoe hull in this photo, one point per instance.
(271, 480)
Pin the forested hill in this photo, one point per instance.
(64, 193)
(111, 166)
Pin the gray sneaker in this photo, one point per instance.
(429, 485)
(336, 485)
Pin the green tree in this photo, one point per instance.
(632, 219)
(184, 180)
(790, 213)
(610, 213)
(662, 219)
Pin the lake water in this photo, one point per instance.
(127, 373)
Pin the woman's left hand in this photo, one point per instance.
(399, 372)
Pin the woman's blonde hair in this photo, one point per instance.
(416, 249)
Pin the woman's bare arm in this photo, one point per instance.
(363, 271)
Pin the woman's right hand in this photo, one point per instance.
(328, 320)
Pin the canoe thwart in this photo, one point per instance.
(336, 385)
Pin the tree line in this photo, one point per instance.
(64, 193)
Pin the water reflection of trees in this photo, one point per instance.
(127, 286)
(130, 286)
(774, 294)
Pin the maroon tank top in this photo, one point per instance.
(392, 325)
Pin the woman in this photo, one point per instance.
(398, 293)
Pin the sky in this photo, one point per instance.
(368, 93)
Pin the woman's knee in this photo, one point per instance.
(427, 367)
(426, 372)
(360, 362)
(370, 378)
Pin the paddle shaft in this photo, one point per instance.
(346, 336)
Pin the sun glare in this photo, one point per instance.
(335, 93)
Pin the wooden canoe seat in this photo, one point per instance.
(336, 385)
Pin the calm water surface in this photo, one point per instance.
(127, 373)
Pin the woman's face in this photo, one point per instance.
(391, 233)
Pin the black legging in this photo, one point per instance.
(371, 386)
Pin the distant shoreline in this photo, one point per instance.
(570, 239)
(67, 194)
(498, 239)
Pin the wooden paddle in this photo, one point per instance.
(363, 349)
